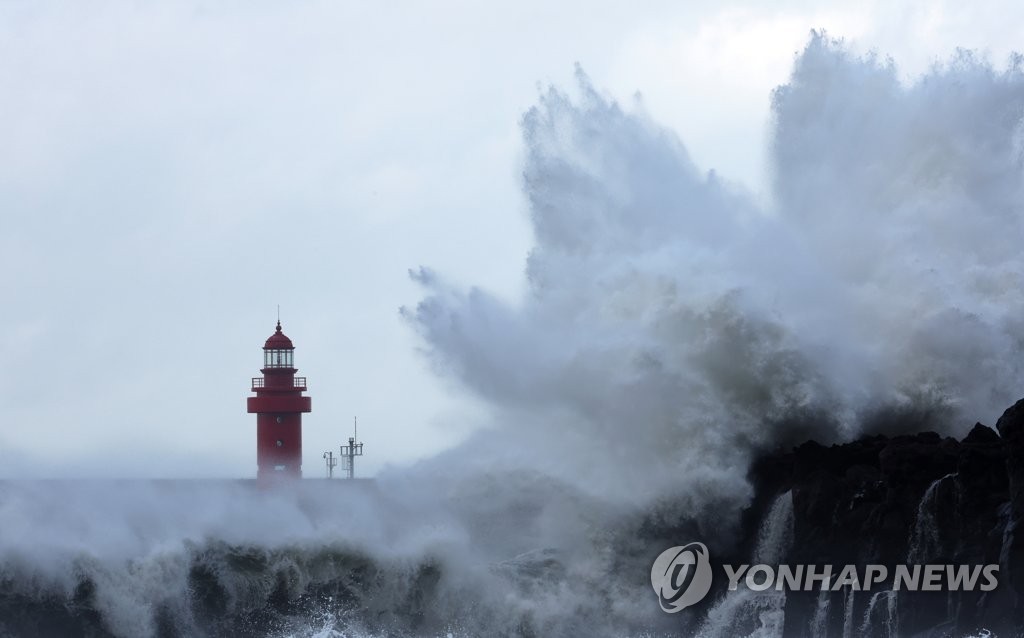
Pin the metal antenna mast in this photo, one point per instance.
(331, 463)
(351, 451)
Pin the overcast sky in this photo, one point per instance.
(171, 172)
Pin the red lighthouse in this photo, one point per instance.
(279, 405)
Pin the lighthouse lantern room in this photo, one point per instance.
(278, 406)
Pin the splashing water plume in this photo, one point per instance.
(673, 328)
(757, 614)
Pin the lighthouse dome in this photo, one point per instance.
(278, 341)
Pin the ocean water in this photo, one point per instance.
(317, 558)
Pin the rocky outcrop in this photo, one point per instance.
(913, 499)
(1011, 560)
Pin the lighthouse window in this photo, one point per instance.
(280, 419)
(280, 443)
(277, 358)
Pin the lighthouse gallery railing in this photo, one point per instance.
(298, 383)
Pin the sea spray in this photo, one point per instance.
(925, 542)
(819, 620)
(674, 327)
(754, 614)
(880, 617)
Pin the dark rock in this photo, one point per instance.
(1011, 424)
(1011, 430)
(982, 434)
(889, 500)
